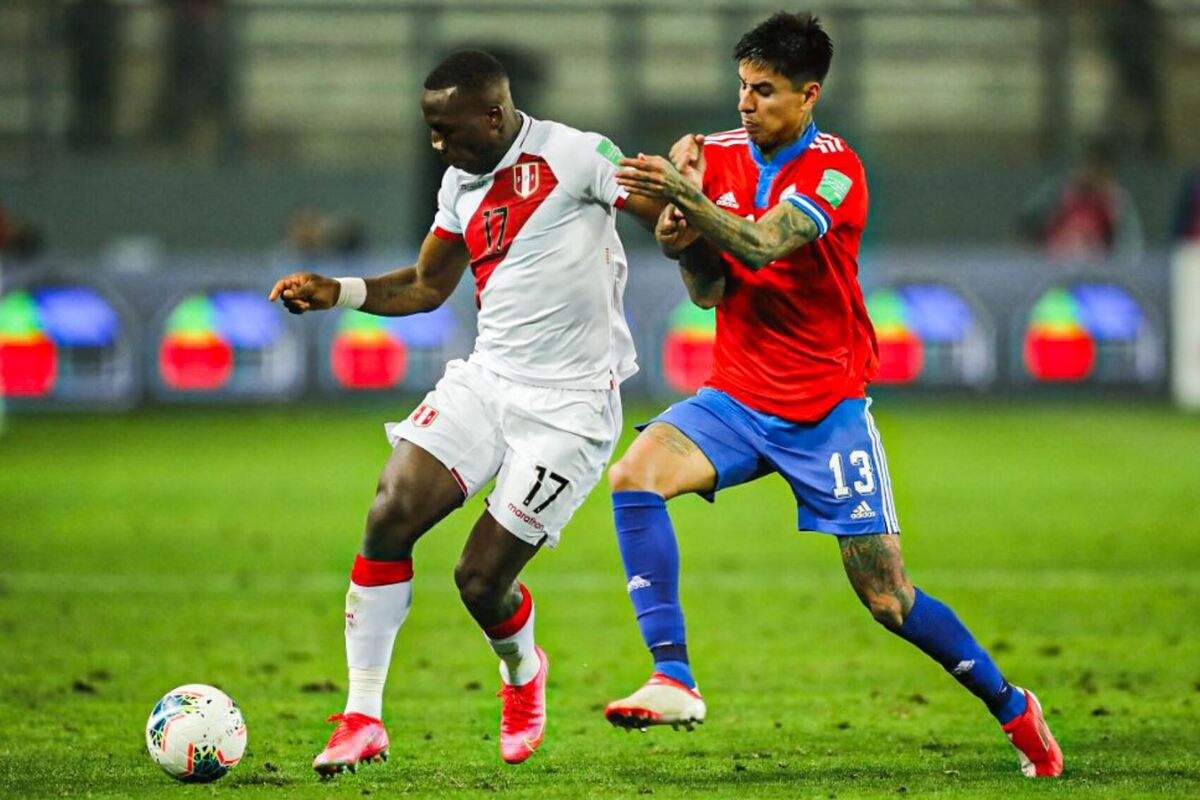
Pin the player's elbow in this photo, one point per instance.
(432, 296)
(758, 257)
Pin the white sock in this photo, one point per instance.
(519, 662)
(374, 614)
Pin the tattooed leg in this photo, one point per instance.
(664, 461)
(876, 571)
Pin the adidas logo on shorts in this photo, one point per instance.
(862, 511)
(727, 200)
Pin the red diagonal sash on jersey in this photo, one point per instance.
(516, 193)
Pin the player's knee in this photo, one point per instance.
(478, 590)
(631, 475)
(886, 609)
(390, 521)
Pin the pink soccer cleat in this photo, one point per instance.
(357, 738)
(1041, 757)
(523, 716)
(659, 701)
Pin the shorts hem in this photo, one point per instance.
(395, 436)
(699, 441)
(841, 529)
(541, 537)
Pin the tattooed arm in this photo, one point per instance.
(700, 264)
(703, 272)
(756, 244)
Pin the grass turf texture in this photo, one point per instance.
(142, 552)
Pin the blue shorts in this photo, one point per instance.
(835, 466)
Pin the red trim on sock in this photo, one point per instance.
(514, 623)
(380, 573)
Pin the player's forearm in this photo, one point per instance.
(399, 293)
(703, 273)
(755, 244)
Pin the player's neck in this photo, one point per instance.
(769, 151)
(513, 122)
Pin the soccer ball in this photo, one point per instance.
(196, 733)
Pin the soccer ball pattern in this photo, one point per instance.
(196, 733)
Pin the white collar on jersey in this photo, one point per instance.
(514, 152)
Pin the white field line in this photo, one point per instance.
(59, 583)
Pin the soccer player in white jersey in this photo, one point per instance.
(530, 205)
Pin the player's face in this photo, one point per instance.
(464, 130)
(774, 112)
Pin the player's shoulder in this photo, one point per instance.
(571, 151)
(722, 140)
(725, 150)
(556, 137)
(829, 149)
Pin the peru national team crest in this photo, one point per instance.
(424, 416)
(525, 178)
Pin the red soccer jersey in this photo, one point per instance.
(793, 338)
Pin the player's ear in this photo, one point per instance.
(495, 116)
(811, 91)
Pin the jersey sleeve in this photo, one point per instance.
(592, 166)
(446, 224)
(832, 194)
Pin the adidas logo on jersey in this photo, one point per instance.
(637, 582)
(727, 200)
(964, 667)
(862, 511)
(827, 143)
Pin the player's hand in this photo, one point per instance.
(687, 155)
(305, 291)
(673, 233)
(654, 176)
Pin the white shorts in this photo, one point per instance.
(546, 447)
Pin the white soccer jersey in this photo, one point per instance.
(549, 269)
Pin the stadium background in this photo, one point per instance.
(165, 432)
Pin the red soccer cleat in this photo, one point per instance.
(1041, 757)
(523, 716)
(356, 738)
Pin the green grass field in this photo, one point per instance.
(145, 551)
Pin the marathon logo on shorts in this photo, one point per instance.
(424, 416)
(526, 517)
(526, 177)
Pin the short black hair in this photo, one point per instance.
(469, 70)
(794, 45)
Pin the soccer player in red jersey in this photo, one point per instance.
(766, 222)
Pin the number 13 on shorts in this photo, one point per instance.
(864, 485)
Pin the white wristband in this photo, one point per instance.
(353, 292)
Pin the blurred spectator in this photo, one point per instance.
(1085, 215)
(305, 230)
(1134, 37)
(195, 99)
(1186, 225)
(311, 233)
(346, 237)
(92, 32)
(20, 240)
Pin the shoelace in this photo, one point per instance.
(342, 732)
(518, 707)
